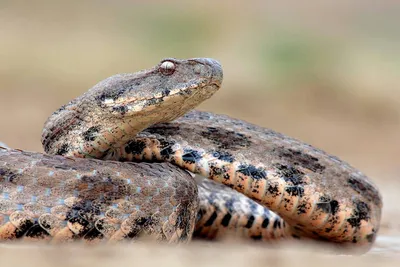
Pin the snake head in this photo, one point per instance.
(169, 89)
(133, 102)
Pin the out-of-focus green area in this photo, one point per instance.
(326, 72)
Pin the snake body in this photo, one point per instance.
(265, 185)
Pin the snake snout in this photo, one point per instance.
(217, 73)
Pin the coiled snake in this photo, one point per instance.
(88, 187)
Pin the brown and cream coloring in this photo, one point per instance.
(266, 186)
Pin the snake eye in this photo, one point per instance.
(167, 68)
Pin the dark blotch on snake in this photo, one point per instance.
(113, 93)
(91, 133)
(63, 149)
(273, 190)
(365, 189)
(277, 224)
(256, 237)
(295, 191)
(94, 233)
(302, 208)
(8, 175)
(164, 129)
(138, 225)
(225, 221)
(290, 174)
(212, 218)
(224, 156)
(135, 147)
(296, 157)
(120, 109)
(23, 227)
(265, 223)
(327, 205)
(361, 212)
(226, 139)
(36, 231)
(166, 148)
(250, 221)
(191, 156)
(165, 93)
(252, 171)
(216, 171)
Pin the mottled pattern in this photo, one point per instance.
(271, 186)
(226, 213)
(317, 194)
(57, 199)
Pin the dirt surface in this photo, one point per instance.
(195, 254)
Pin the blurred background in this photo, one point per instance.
(325, 72)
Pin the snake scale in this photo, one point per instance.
(117, 167)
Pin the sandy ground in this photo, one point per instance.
(195, 254)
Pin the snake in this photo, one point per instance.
(132, 158)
